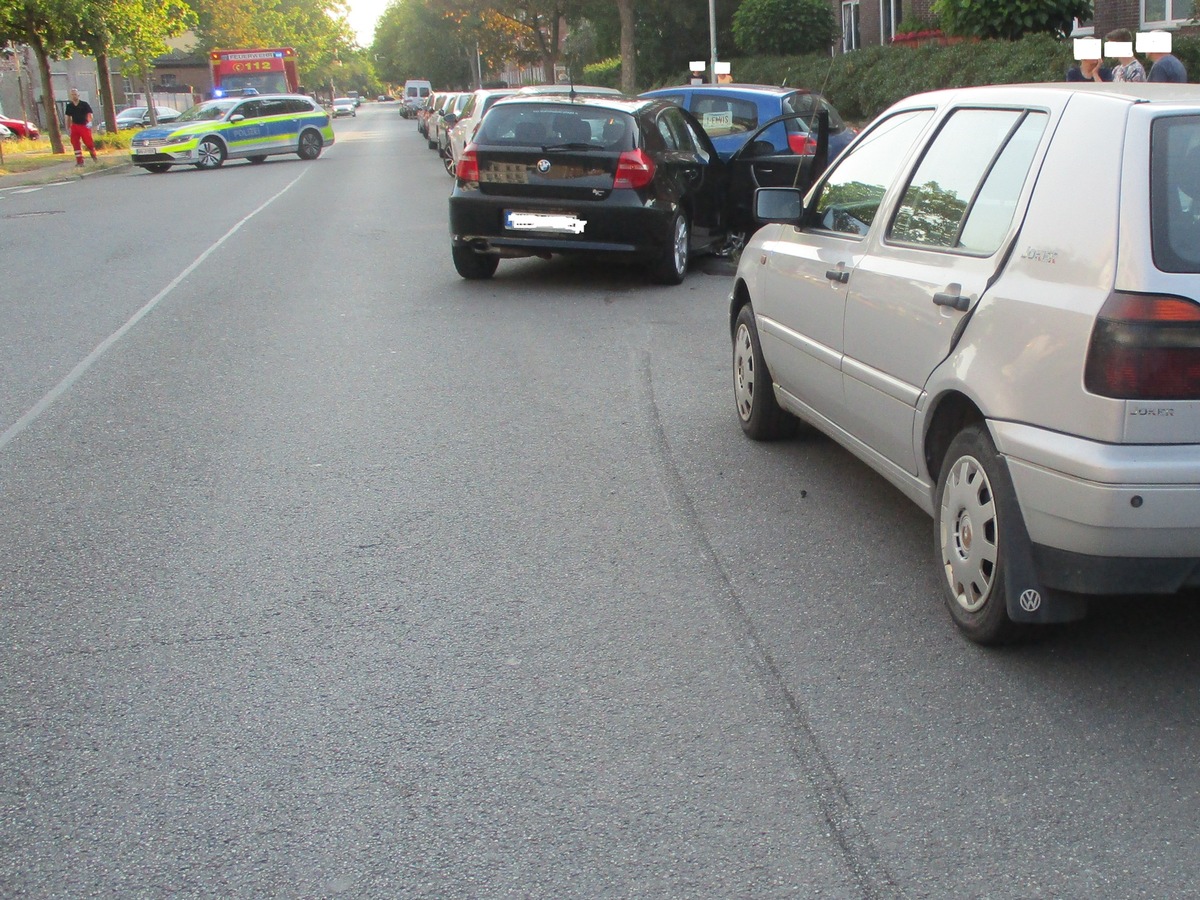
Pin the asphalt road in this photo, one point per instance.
(324, 572)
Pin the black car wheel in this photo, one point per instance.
(759, 413)
(210, 154)
(471, 265)
(310, 145)
(671, 266)
(973, 497)
(448, 162)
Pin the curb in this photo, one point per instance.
(58, 173)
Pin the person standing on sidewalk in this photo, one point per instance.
(79, 114)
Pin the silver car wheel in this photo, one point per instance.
(969, 534)
(209, 154)
(743, 373)
(681, 245)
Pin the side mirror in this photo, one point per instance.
(239, 117)
(782, 205)
(451, 119)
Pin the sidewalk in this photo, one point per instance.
(67, 170)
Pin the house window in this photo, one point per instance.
(890, 14)
(851, 40)
(1167, 12)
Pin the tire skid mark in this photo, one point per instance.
(855, 847)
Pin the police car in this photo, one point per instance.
(246, 127)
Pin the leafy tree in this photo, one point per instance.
(1009, 19)
(45, 25)
(782, 27)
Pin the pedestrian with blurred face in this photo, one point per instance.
(79, 114)
(1167, 66)
(1128, 68)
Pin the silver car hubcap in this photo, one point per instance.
(969, 534)
(743, 373)
(681, 245)
(210, 154)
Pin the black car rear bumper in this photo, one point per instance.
(618, 225)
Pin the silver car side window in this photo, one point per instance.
(964, 191)
(850, 197)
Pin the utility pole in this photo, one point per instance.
(712, 40)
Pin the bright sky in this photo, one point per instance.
(362, 18)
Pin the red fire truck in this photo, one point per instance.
(267, 70)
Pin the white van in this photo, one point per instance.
(416, 92)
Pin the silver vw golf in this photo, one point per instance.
(993, 299)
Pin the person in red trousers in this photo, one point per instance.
(79, 114)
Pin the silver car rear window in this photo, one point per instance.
(1175, 193)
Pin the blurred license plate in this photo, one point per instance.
(140, 151)
(527, 221)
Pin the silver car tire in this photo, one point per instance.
(972, 500)
(759, 413)
(210, 154)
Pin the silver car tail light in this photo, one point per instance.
(1145, 347)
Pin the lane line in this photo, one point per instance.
(35, 411)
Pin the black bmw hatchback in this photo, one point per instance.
(587, 174)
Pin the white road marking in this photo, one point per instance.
(76, 373)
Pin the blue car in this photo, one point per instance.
(731, 113)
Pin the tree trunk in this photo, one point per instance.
(106, 94)
(628, 51)
(146, 83)
(56, 140)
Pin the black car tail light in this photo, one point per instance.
(1145, 347)
(468, 165)
(634, 170)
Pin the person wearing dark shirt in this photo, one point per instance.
(1089, 70)
(1167, 67)
(79, 114)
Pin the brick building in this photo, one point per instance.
(867, 23)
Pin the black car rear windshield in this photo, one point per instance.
(1175, 193)
(549, 125)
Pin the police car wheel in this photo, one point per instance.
(310, 145)
(210, 154)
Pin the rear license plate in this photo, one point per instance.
(556, 222)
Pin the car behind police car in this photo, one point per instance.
(250, 128)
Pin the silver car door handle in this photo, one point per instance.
(953, 300)
(839, 275)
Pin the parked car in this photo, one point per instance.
(427, 111)
(20, 127)
(597, 175)
(250, 128)
(993, 299)
(462, 132)
(139, 116)
(6, 133)
(449, 119)
(416, 92)
(437, 121)
(730, 113)
(344, 106)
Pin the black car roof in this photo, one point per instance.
(629, 105)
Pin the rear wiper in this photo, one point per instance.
(573, 145)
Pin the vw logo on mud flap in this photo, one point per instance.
(543, 166)
(1030, 600)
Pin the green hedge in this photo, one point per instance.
(605, 73)
(864, 83)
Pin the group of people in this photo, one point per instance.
(1165, 67)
